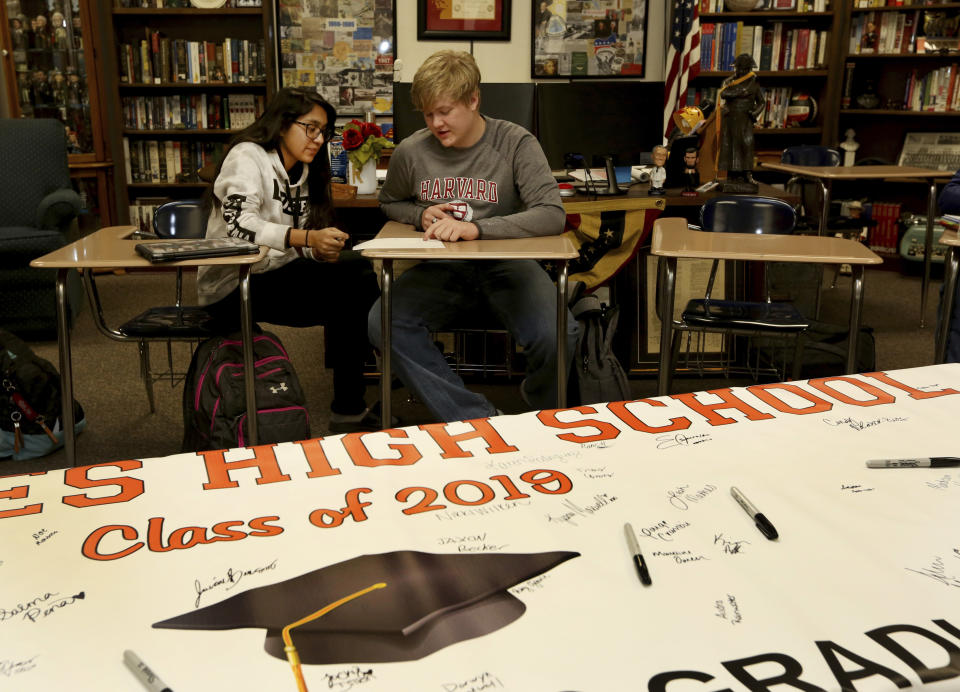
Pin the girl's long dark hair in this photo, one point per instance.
(290, 104)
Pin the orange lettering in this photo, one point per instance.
(225, 532)
(620, 410)
(319, 466)
(262, 528)
(18, 492)
(360, 455)
(880, 396)
(914, 393)
(727, 400)
(218, 468)
(605, 431)
(763, 393)
(78, 478)
(481, 429)
(91, 546)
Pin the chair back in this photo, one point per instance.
(34, 156)
(183, 218)
(810, 155)
(747, 214)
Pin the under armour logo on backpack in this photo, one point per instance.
(282, 387)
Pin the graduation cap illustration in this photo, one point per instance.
(397, 606)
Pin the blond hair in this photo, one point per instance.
(445, 74)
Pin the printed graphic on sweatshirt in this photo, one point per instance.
(293, 205)
(232, 207)
(461, 210)
(458, 188)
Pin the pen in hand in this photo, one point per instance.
(766, 528)
(143, 673)
(637, 555)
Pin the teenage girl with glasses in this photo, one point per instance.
(272, 187)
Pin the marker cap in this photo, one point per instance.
(766, 528)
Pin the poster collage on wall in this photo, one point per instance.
(343, 48)
(589, 38)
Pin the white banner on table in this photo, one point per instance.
(861, 591)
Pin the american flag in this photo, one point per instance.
(683, 58)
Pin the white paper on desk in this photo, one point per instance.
(398, 244)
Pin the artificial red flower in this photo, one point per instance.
(370, 130)
(352, 139)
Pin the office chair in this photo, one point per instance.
(742, 214)
(173, 220)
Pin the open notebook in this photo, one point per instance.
(195, 248)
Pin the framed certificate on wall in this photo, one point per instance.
(463, 20)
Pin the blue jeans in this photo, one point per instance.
(442, 294)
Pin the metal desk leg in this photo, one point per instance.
(386, 324)
(668, 275)
(822, 232)
(824, 207)
(856, 307)
(66, 371)
(562, 372)
(950, 269)
(927, 249)
(246, 329)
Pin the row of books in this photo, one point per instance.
(158, 59)
(161, 4)
(777, 46)
(152, 161)
(884, 236)
(191, 111)
(934, 91)
(799, 6)
(885, 33)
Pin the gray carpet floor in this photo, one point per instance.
(121, 426)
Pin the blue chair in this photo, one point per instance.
(38, 210)
(177, 322)
(811, 197)
(743, 214)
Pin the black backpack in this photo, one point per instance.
(596, 375)
(30, 424)
(214, 401)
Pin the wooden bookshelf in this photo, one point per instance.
(185, 129)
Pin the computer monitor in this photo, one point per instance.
(513, 102)
(594, 119)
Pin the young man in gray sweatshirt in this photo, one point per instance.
(466, 176)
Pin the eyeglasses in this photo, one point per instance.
(313, 130)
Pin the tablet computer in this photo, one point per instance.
(196, 248)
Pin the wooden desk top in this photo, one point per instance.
(899, 173)
(672, 238)
(542, 247)
(112, 247)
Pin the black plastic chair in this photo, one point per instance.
(177, 322)
(743, 214)
(810, 197)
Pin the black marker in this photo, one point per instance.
(637, 555)
(912, 463)
(766, 528)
